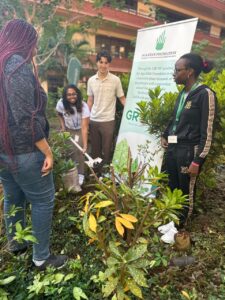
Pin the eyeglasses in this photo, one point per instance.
(71, 94)
(178, 70)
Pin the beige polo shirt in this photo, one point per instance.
(104, 92)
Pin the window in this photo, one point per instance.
(129, 4)
(116, 47)
(203, 26)
(222, 34)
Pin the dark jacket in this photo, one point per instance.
(195, 126)
(27, 122)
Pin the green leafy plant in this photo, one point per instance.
(62, 163)
(23, 234)
(156, 112)
(3, 282)
(119, 217)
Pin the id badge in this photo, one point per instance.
(172, 139)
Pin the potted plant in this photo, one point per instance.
(65, 170)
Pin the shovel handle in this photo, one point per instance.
(79, 147)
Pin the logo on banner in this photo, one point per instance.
(161, 41)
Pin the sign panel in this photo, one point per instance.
(157, 50)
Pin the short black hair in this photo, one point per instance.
(103, 53)
(196, 62)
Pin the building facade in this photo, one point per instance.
(117, 28)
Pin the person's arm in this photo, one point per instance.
(123, 100)
(61, 121)
(90, 102)
(208, 111)
(84, 132)
(44, 147)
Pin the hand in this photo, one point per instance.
(84, 149)
(164, 143)
(47, 165)
(193, 169)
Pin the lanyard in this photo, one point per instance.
(180, 108)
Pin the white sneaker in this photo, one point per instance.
(81, 179)
(168, 237)
(164, 228)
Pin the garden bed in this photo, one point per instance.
(203, 280)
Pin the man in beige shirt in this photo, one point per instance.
(103, 89)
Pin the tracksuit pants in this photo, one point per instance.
(178, 158)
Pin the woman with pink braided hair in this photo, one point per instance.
(26, 159)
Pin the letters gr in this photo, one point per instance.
(132, 115)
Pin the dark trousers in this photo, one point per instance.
(101, 135)
(177, 161)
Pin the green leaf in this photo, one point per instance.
(109, 272)
(58, 277)
(79, 294)
(18, 226)
(110, 286)
(101, 219)
(7, 280)
(141, 263)
(138, 276)
(114, 250)
(134, 288)
(112, 261)
(120, 156)
(31, 238)
(136, 252)
(62, 209)
(3, 294)
(69, 276)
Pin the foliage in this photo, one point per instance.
(156, 112)
(220, 58)
(60, 146)
(203, 280)
(216, 157)
(198, 48)
(119, 215)
(124, 77)
(56, 44)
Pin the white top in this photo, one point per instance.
(73, 121)
(104, 92)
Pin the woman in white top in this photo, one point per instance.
(74, 117)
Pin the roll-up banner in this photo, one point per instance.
(157, 50)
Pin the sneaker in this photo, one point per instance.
(19, 251)
(81, 179)
(55, 261)
(164, 228)
(168, 237)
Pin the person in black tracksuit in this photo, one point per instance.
(188, 136)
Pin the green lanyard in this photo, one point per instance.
(180, 108)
